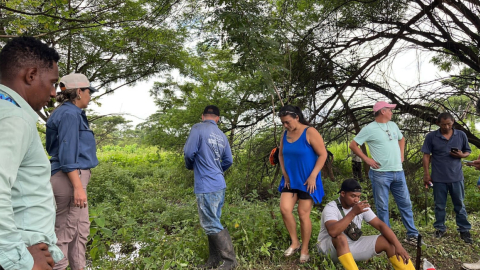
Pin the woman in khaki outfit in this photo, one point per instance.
(71, 145)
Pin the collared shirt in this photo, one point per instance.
(208, 153)
(445, 168)
(382, 140)
(27, 204)
(70, 142)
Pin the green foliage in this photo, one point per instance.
(113, 130)
(143, 197)
(114, 43)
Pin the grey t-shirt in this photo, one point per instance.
(331, 212)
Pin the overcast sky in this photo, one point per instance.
(408, 69)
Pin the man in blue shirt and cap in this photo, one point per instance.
(207, 152)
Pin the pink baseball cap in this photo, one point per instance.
(382, 104)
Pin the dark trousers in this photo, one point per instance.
(357, 170)
(457, 193)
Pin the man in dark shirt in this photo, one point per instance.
(445, 148)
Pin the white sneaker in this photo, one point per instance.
(471, 266)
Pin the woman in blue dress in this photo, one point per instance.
(302, 156)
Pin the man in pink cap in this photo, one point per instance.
(386, 144)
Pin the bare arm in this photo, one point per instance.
(427, 180)
(401, 143)
(371, 162)
(79, 195)
(336, 227)
(391, 238)
(280, 160)
(316, 141)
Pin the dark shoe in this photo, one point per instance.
(466, 237)
(224, 246)
(440, 234)
(214, 258)
(412, 240)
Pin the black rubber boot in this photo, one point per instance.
(214, 258)
(224, 246)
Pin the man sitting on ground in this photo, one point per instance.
(334, 242)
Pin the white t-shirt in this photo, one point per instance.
(331, 212)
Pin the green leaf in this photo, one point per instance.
(100, 222)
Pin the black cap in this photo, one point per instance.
(212, 109)
(350, 185)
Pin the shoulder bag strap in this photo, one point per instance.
(339, 205)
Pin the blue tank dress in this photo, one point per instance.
(299, 159)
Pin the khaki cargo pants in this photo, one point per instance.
(72, 225)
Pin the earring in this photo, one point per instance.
(79, 97)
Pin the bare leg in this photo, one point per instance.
(304, 209)
(287, 202)
(383, 245)
(341, 244)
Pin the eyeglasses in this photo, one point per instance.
(285, 113)
(389, 134)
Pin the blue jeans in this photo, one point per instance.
(457, 193)
(210, 210)
(382, 183)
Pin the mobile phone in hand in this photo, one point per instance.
(453, 149)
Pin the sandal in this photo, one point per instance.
(290, 251)
(304, 258)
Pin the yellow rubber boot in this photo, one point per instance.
(399, 265)
(410, 265)
(348, 262)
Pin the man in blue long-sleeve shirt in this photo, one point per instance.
(207, 152)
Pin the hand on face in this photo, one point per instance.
(361, 207)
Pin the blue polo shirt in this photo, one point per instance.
(445, 168)
(207, 152)
(69, 140)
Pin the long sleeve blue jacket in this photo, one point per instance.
(70, 140)
(207, 152)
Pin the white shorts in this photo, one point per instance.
(362, 249)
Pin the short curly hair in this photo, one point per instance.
(21, 52)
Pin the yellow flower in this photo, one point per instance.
(236, 225)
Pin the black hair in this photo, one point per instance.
(21, 52)
(67, 95)
(444, 115)
(377, 113)
(293, 111)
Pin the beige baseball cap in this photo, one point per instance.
(75, 81)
